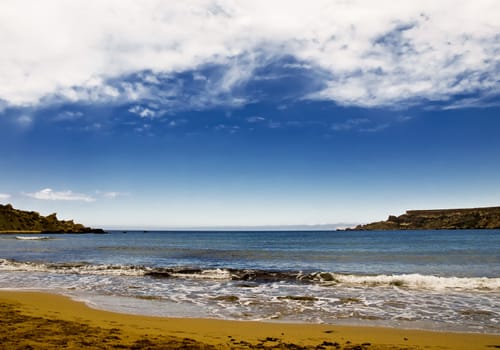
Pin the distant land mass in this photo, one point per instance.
(20, 221)
(439, 219)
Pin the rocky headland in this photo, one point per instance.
(20, 221)
(439, 219)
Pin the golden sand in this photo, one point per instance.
(32, 320)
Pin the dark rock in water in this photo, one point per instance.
(14, 220)
(327, 277)
(248, 285)
(298, 298)
(228, 298)
(158, 274)
(439, 219)
(263, 276)
(350, 300)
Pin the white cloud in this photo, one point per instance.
(375, 128)
(274, 125)
(4, 196)
(177, 122)
(404, 118)
(255, 119)
(143, 112)
(365, 124)
(67, 116)
(350, 124)
(111, 194)
(297, 66)
(49, 194)
(24, 121)
(369, 53)
(200, 77)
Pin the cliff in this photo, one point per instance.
(440, 219)
(14, 220)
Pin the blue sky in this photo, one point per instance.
(229, 113)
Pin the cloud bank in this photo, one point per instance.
(363, 53)
(49, 194)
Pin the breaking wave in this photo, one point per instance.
(324, 279)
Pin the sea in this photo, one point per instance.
(439, 280)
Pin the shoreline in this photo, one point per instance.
(371, 323)
(65, 321)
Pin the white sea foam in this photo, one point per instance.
(71, 268)
(411, 281)
(32, 238)
(210, 274)
(406, 281)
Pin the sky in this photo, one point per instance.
(200, 113)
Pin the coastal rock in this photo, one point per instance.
(439, 219)
(14, 220)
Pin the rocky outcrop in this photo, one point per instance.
(14, 220)
(440, 219)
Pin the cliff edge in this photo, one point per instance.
(15, 221)
(439, 219)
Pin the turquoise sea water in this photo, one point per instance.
(447, 280)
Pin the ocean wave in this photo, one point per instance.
(70, 268)
(411, 281)
(84, 268)
(324, 279)
(186, 273)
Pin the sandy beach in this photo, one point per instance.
(33, 320)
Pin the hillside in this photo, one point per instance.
(14, 220)
(440, 219)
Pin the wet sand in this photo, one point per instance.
(33, 320)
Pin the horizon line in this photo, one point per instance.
(315, 227)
